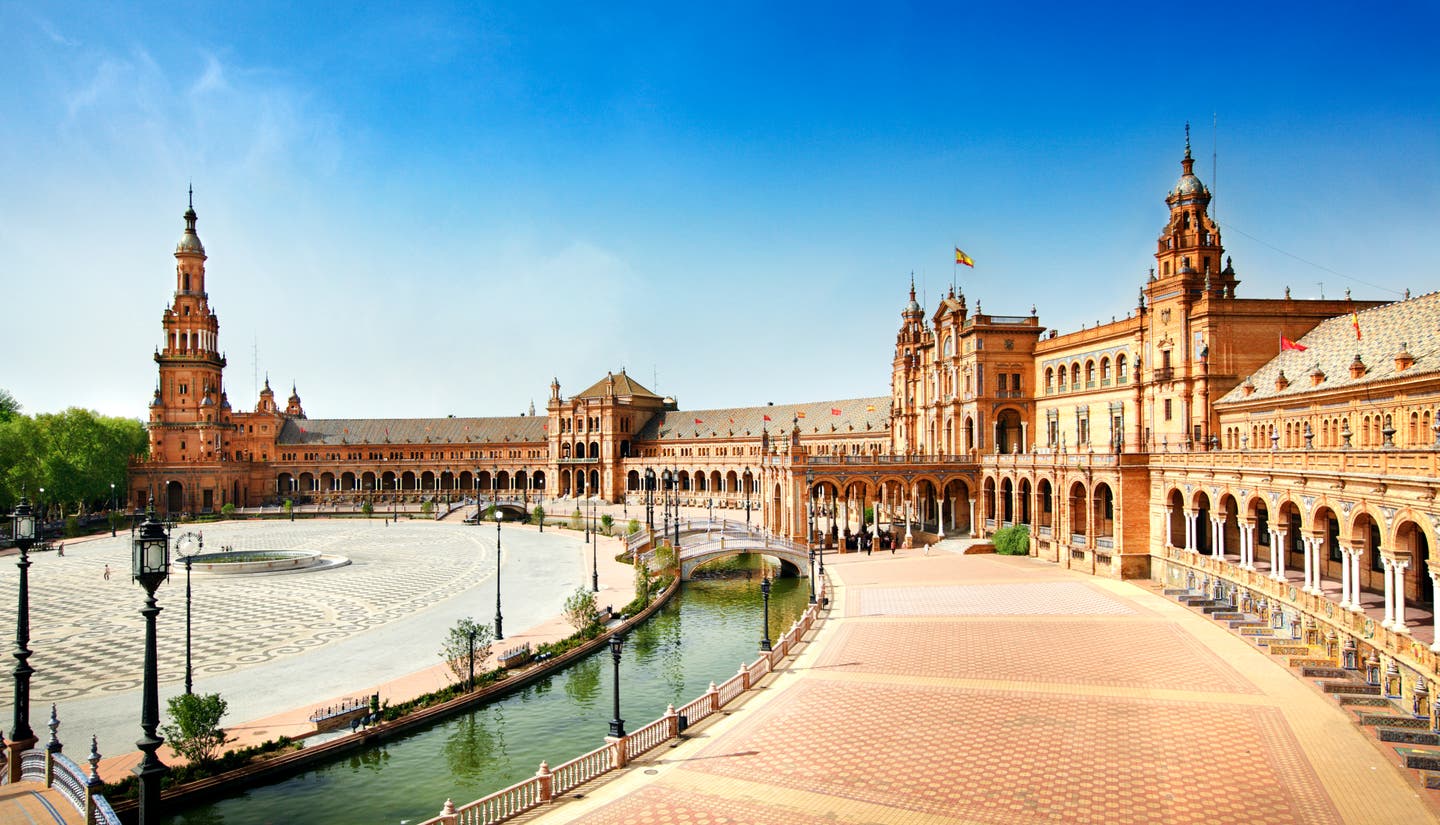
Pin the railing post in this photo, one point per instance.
(619, 751)
(547, 782)
(93, 783)
(672, 722)
(713, 694)
(448, 815)
(744, 677)
(52, 747)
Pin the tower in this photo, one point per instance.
(186, 413)
(1189, 250)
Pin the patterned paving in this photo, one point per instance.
(653, 805)
(1064, 758)
(1143, 654)
(1038, 599)
(238, 621)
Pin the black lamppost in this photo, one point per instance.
(812, 575)
(765, 630)
(585, 520)
(150, 565)
(471, 681)
(112, 510)
(675, 474)
(617, 725)
(745, 482)
(189, 559)
(710, 503)
(498, 621)
(665, 501)
(595, 563)
(21, 736)
(651, 482)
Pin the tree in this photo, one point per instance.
(537, 516)
(664, 557)
(577, 521)
(75, 455)
(607, 521)
(427, 507)
(367, 508)
(195, 731)
(228, 509)
(580, 610)
(9, 407)
(456, 648)
(633, 527)
(642, 583)
(289, 506)
(1012, 541)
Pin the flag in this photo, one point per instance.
(962, 258)
(869, 408)
(834, 410)
(1287, 344)
(732, 421)
(767, 418)
(800, 414)
(1355, 320)
(698, 421)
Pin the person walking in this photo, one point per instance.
(107, 572)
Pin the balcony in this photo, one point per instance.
(1163, 374)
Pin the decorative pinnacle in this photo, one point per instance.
(192, 195)
(1187, 138)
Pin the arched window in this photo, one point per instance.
(1120, 372)
(1105, 369)
(1049, 379)
(1089, 374)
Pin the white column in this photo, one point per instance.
(1400, 567)
(1247, 546)
(1309, 565)
(1189, 532)
(1277, 554)
(1355, 580)
(974, 531)
(1434, 587)
(1169, 514)
(1345, 572)
(1389, 594)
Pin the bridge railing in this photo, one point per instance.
(547, 785)
(50, 767)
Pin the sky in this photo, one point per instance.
(425, 209)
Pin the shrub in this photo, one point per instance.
(607, 521)
(1012, 541)
(194, 731)
(664, 557)
(633, 526)
(367, 509)
(580, 610)
(227, 510)
(289, 506)
(537, 516)
(427, 507)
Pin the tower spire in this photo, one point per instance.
(1187, 140)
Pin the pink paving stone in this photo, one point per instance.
(993, 756)
(1142, 653)
(1037, 599)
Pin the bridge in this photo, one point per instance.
(704, 540)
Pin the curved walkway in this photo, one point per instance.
(983, 689)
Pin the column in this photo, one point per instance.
(1355, 579)
(1277, 554)
(1435, 587)
(1024, 436)
(1400, 566)
(1246, 548)
(1169, 514)
(1389, 619)
(1344, 577)
(1189, 532)
(974, 530)
(1309, 586)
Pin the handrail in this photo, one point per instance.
(548, 785)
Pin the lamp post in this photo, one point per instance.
(617, 725)
(21, 736)
(112, 510)
(665, 501)
(595, 563)
(650, 498)
(745, 482)
(150, 565)
(471, 681)
(765, 630)
(189, 559)
(675, 474)
(812, 575)
(498, 621)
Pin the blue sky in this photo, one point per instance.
(433, 208)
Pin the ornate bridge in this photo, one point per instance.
(705, 540)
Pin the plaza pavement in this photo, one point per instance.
(276, 646)
(981, 689)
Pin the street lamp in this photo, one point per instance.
(765, 630)
(617, 725)
(676, 475)
(499, 516)
(21, 737)
(745, 482)
(112, 510)
(812, 575)
(189, 559)
(650, 498)
(595, 564)
(471, 681)
(150, 565)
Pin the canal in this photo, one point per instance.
(702, 635)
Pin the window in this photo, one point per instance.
(1167, 409)
(1120, 369)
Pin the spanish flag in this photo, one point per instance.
(1355, 320)
(869, 408)
(834, 410)
(962, 258)
(1287, 344)
(800, 414)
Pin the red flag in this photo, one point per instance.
(1287, 344)
(698, 421)
(834, 410)
(1355, 319)
(800, 414)
(767, 418)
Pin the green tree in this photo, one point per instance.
(9, 407)
(194, 731)
(289, 506)
(1012, 541)
(427, 507)
(642, 583)
(664, 557)
(580, 610)
(75, 455)
(607, 521)
(633, 527)
(228, 509)
(456, 647)
(577, 521)
(367, 508)
(537, 516)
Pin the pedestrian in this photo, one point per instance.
(60, 551)
(107, 572)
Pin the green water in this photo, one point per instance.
(701, 635)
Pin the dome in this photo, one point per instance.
(913, 306)
(1189, 185)
(190, 242)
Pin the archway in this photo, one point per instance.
(1203, 534)
(987, 498)
(1411, 540)
(174, 497)
(1009, 434)
(1078, 513)
(1046, 495)
(1103, 518)
(1007, 503)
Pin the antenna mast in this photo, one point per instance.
(1214, 169)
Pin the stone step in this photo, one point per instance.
(1420, 759)
(1351, 688)
(1362, 700)
(1289, 647)
(1178, 591)
(1311, 661)
(1231, 616)
(1409, 736)
(1390, 720)
(1257, 630)
(1217, 607)
(1431, 780)
(1324, 672)
(1242, 625)
(1198, 601)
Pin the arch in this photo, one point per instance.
(632, 481)
(565, 451)
(625, 449)
(566, 484)
(537, 481)
(447, 480)
(1229, 523)
(1105, 370)
(1009, 433)
(969, 434)
(1049, 379)
(1257, 513)
(1078, 512)
(284, 484)
(731, 481)
(368, 481)
(387, 480)
(348, 481)
(306, 483)
(1023, 503)
(1075, 375)
(175, 497)
(1089, 373)
(1007, 503)
(595, 483)
(1176, 527)
(714, 485)
(327, 482)
(522, 480)
(987, 498)
(1045, 506)
(957, 498)
(594, 449)
(700, 480)
(1204, 535)
(467, 480)
(1412, 539)
(1365, 536)
(1103, 518)
(427, 480)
